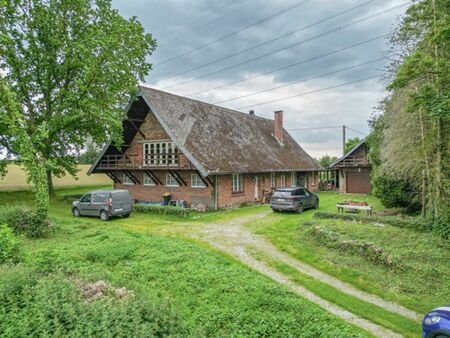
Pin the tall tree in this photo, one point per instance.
(416, 137)
(66, 69)
(351, 143)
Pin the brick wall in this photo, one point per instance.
(155, 193)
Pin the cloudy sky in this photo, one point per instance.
(319, 61)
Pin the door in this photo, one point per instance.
(358, 182)
(85, 205)
(305, 197)
(256, 188)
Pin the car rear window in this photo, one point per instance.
(100, 197)
(282, 193)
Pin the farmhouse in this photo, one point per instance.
(202, 153)
(354, 170)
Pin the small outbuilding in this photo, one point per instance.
(353, 170)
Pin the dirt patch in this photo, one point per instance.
(100, 289)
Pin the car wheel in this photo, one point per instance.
(76, 212)
(104, 215)
(316, 204)
(275, 210)
(126, 215)
(299, 209)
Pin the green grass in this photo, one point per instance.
(373, 313)
(419, 283)
(211, 293)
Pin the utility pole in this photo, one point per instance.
(343, 140)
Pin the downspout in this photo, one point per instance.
(216, 193)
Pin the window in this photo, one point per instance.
(161, 153)
(100, 197)
(171, 181)
(301, 192)
(293, 179)
(196, 181)
(148, 180)
(237, 183)
(283, 180)
(126, 180)
(273, 180)
(313, 178)
(86, 198)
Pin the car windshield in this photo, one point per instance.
(282, 193)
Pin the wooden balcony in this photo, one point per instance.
(352, 161)
(167, 161)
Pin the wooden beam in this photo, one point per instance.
(153, 177)
(132, 177)
(177, 178)
(113, 177)
(205, 180)
(136, 127)
(135, 120)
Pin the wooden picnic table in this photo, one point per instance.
(342, 207)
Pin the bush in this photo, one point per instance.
(9, 245)
(71, 197)
(24, 220)
(55, 308)
(400, 222)
(367, 250)
(160, 210)
(441, 227)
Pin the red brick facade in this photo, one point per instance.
(254, 185)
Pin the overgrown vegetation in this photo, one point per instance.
(23, 220)
(9, 245)
(160, 210)
(410, 142)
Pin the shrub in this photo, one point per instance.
(367, 250)
(441, 227)
(9, 245)
(160, 210)
(24, 220)
(55, 308)
(71, 197)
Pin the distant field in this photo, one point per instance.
(16, 179)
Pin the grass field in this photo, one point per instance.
(193, 289)
(16, 179)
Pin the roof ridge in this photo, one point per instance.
(203, 102)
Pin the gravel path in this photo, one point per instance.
(234, 238)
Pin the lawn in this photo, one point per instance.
(418, 279)
(179, 287)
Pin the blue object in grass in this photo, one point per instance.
(436, 324)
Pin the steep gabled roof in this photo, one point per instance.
(350, 153)
(218, 140)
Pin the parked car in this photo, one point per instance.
(104, 204)
(293, 199)
(436, 324)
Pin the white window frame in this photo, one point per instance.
(197, 182)
(273, 180)
(294, 181)
(126, 180)
(282, 180)
(237, 183)
(172, 185)
(160, 153)
(145, 177)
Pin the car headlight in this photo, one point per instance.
(432, 320)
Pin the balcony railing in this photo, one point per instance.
(160, 161)
(353, 161)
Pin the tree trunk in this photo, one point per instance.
(41, 193)
(51, 190)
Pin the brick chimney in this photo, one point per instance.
(279, 126)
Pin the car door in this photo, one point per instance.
(99, 202)
(305, 197)
(309, 198)
(85, 206)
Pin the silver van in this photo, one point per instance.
(104, 204)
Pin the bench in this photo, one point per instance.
(354, 208)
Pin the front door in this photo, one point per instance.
(85, 205)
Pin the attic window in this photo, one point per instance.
(160, 153)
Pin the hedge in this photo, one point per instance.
(160, 210)
(440, 227)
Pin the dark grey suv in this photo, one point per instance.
(293, 199)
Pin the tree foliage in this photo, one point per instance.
(326, 161)
(351, 143)
(411, 143)
(66, 69)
